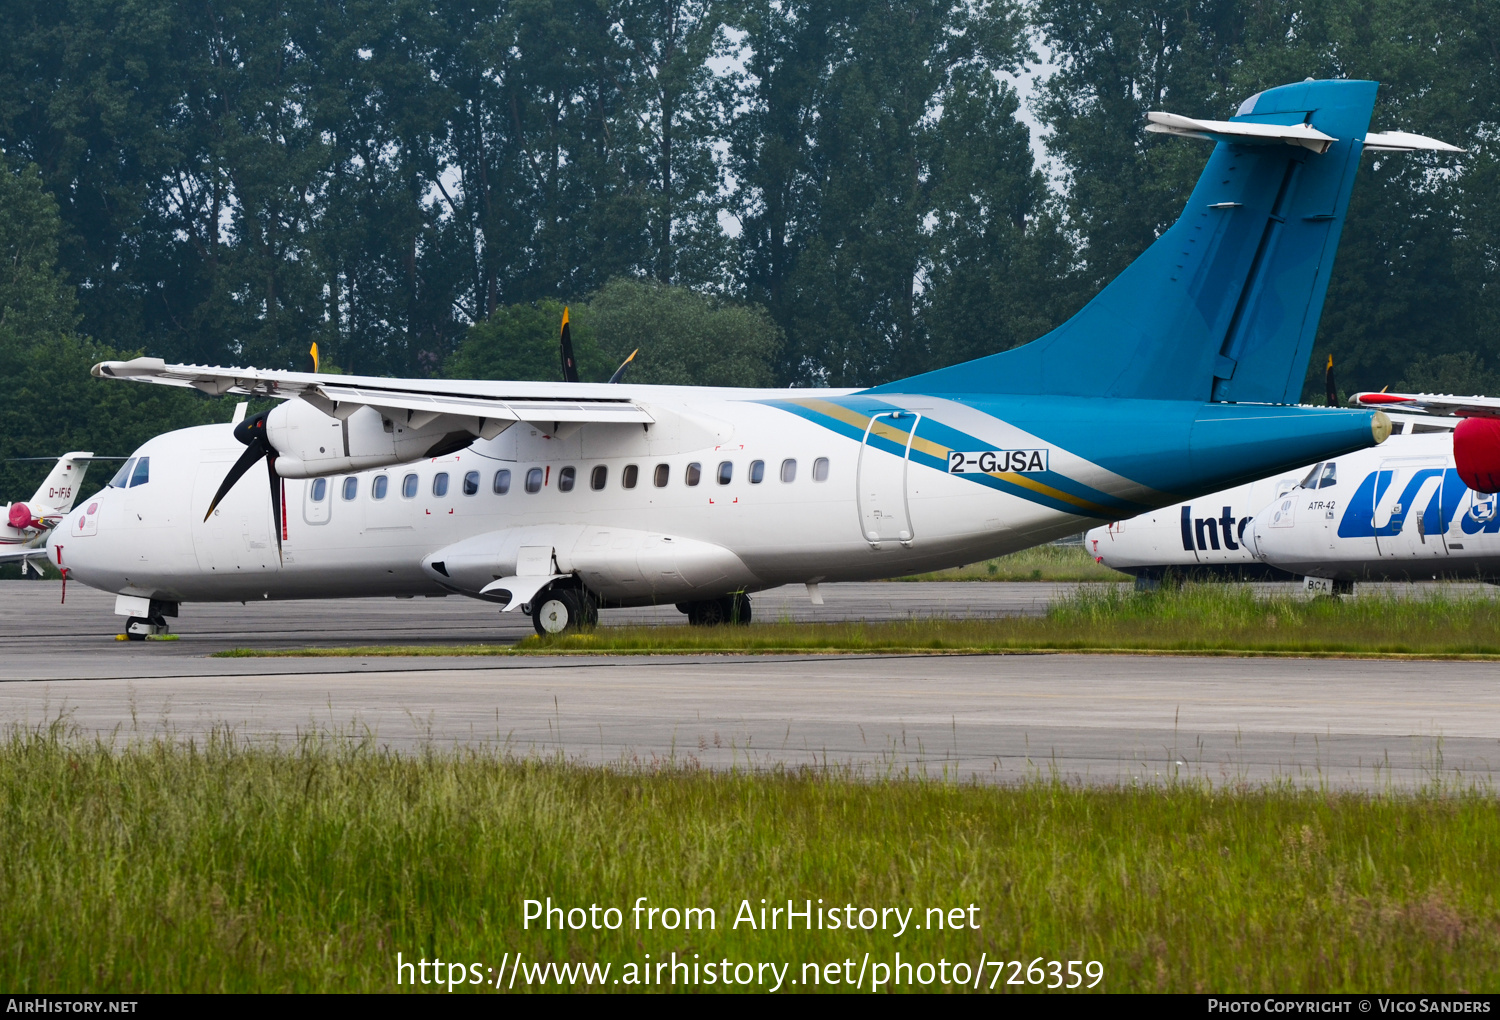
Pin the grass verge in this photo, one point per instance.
(1204, 619)
(221, 867)
(1039, 563)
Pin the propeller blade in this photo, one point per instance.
(620, 372)
(254, 452)
(1332, 388)
(276, 520)
(569, 366)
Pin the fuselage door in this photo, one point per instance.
(1409, 518)
(881, 480)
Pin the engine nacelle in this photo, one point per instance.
(21, 517)
(1476, 452)
(310, 444)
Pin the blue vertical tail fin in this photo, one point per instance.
(1225, 304)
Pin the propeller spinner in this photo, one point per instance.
(252, 432)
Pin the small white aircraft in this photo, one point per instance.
(1180, 377)
(23, 534)
(1331, 523)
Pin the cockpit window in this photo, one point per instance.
(142, 473)
(122, 476)
(1330, 475)
(1310, 481)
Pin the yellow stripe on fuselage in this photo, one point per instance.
(927, 446)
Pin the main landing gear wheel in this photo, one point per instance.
(713, 612)
(139, 628)
(563, 611)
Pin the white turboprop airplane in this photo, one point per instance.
(1180, 377)
(24, 533)
(1331, 523)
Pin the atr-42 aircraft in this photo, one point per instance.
(1179, 378)
(1425, 509)
(24, 531)
(1402, 511)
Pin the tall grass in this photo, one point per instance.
(162, 867)
(1039, 563)
(1197, 618)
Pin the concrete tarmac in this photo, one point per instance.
(1103, 719)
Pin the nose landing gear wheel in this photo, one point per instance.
(563, 611)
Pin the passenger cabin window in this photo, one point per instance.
(1397, 427)
(379, 486)
(757, 472)
(820, 469)
(565, 479)
(122, 476)
(629, 476)
(319, 489)
(1310, 480)
(660, 477)
(142, 473)
(409, 487)
(351, 488)
(726, 472)
(502, 482)
(471, 483)
(534, 480)
(1422, 428)
(440, 484)
(789, 471)
(598, 477)
(1330, 476)
(694, 473)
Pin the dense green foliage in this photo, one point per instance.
(684, 338)
(230, 868)
(417, 186)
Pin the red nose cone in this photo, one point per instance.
(20, 516)
(1476, 451)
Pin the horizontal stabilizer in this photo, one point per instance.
(1442, 404)
(1405, 141)
(1242, 132)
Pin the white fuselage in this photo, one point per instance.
(631, 545)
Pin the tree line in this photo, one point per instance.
(838, 192)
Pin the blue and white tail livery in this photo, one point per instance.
(1179, 378)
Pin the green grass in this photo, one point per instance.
(158, 867)
(1197, 619)
(1039, 563)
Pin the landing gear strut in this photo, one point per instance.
(563, 610)
(713, 612)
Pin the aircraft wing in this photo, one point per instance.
(1442, 404)
(417, 401)
(11, 554)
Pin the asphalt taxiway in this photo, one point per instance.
(1341, 723)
